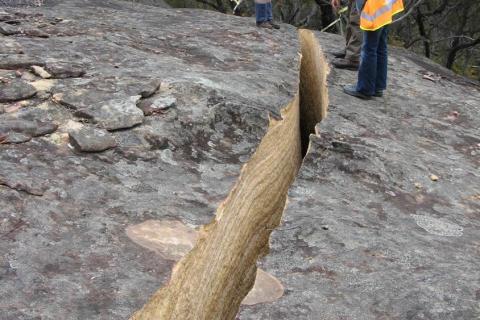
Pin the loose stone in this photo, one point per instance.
(16, 90)
(157, 104)
(90, 139)
(41, 72)
(116, 114)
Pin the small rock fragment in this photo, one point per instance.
(62, 70)
(18, 61)
(44, 84)
(116, 114)
(18, 130)
(8, 30)
(169, 238)
(157, 105)
(150, 89)
(156, 142)
(15, 137)
(434, 177)
(267, 288)
(90, 139)
(4, 16)
(37, 33)
(39, 71)
(16, 90)
(418, 185)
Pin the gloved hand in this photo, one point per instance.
(336, 4)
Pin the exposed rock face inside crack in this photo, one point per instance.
(313, 87)
(212, 280)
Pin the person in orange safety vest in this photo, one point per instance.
(375, 17)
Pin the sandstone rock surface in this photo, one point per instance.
(366, 234)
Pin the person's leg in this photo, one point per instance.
(382, 62)
(350, 57)
(348, 29)
(269, 11)
(354, 40)
(270, 16)
(367, 73)
(261, 7)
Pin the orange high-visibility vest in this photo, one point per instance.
(379, 13)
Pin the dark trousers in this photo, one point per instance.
(372, 75)
(353, 34)
(263, 12)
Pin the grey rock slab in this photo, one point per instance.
(90, 139)
(116, 114)
(16, 90)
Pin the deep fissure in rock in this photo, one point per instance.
(211, 281)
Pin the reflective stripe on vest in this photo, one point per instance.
(378, 13)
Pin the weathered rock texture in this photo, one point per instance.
(366, 233)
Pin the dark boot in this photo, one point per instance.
(352, 91)
(345, 64)
(265, 24)
(274, 25)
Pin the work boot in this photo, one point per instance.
(378, 94)
(339, 54)
(265, 24)
(352, 91)
(274, 25)
(340, 63)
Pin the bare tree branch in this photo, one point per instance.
(410, 11)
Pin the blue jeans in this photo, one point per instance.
(372, 75)
(263, 12)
